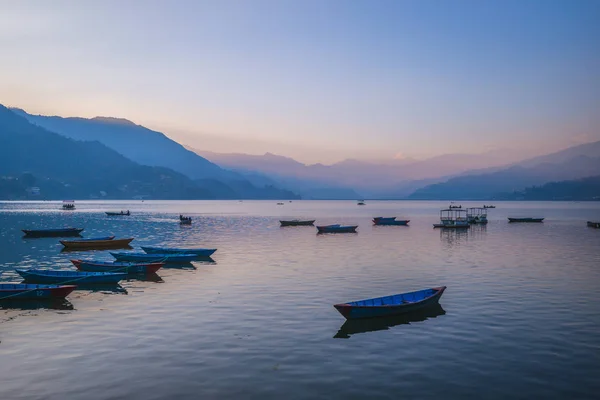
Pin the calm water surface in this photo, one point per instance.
(520, 318)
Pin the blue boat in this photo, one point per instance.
(164, 258)
(167, 250)
(337, 228)
(390, 305)
(60, 232)
(389, 221)
(21, 291)
(74, 277)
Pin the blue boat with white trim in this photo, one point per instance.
(390, 305)
(170, 250)
(74, 277)
(164, 258)
(24, 291)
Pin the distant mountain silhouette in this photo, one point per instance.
(574, 190)
(350, 179)
(66, 168)
(152, 148)
(569, 164)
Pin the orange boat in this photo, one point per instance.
(96, 244)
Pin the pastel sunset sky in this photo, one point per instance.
(317, 80)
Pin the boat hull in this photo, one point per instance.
(149, 258)
(126, 267)
(394, 222)
(337, 229)
(22, 291)
(526, 220)
(166, 250)
(96, 244)
(297, 223)
(39, 233)
(354, 311)
(75, 277)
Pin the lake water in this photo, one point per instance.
(520, 318)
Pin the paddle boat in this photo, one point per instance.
(391, 305)
(297, 222)
(390, 221)
(168, 250)
(61, 232)
(115, 266)
(164, 258)
(75, 277)
(120, 213)
(21, 291)
(453, 218)
(593, 224)
(477, 215)
(511, 219)
(337, 228)
(96, 244)
(68, 205)
(185, 220)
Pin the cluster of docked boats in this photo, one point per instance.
(57, 284)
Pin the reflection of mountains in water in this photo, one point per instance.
(36, 304)
(352, 327)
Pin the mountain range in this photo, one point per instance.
(150, 148)
(113, 157)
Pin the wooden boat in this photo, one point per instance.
(68, 205)
(185, 220)
(477, 215)
(390, 221)
(297, 222)
(337, 228)
(96, 244)
(525, 219)
(164, 258)
(593, 224)
(453, 218)
(120, 213)
(75, 277)
(115, 266)
(391, 305)
(20, 291)
(61, 232)
(170, 250)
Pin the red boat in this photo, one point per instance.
(108, 266)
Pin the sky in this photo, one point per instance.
(316, 80)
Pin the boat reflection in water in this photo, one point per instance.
(352, 327)
(36, 304)
(102, 288)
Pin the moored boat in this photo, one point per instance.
(453, 218)
(74, 277)
(337, 228)
(593, 224)
(60, 232)
(169, 250)
(477, 215)
(120, 213)
(22, 291)
(116, 266)
(297, 222)
(390, 305)
(511, 219)
(165, 258)
(390, 221)
(96, 244)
